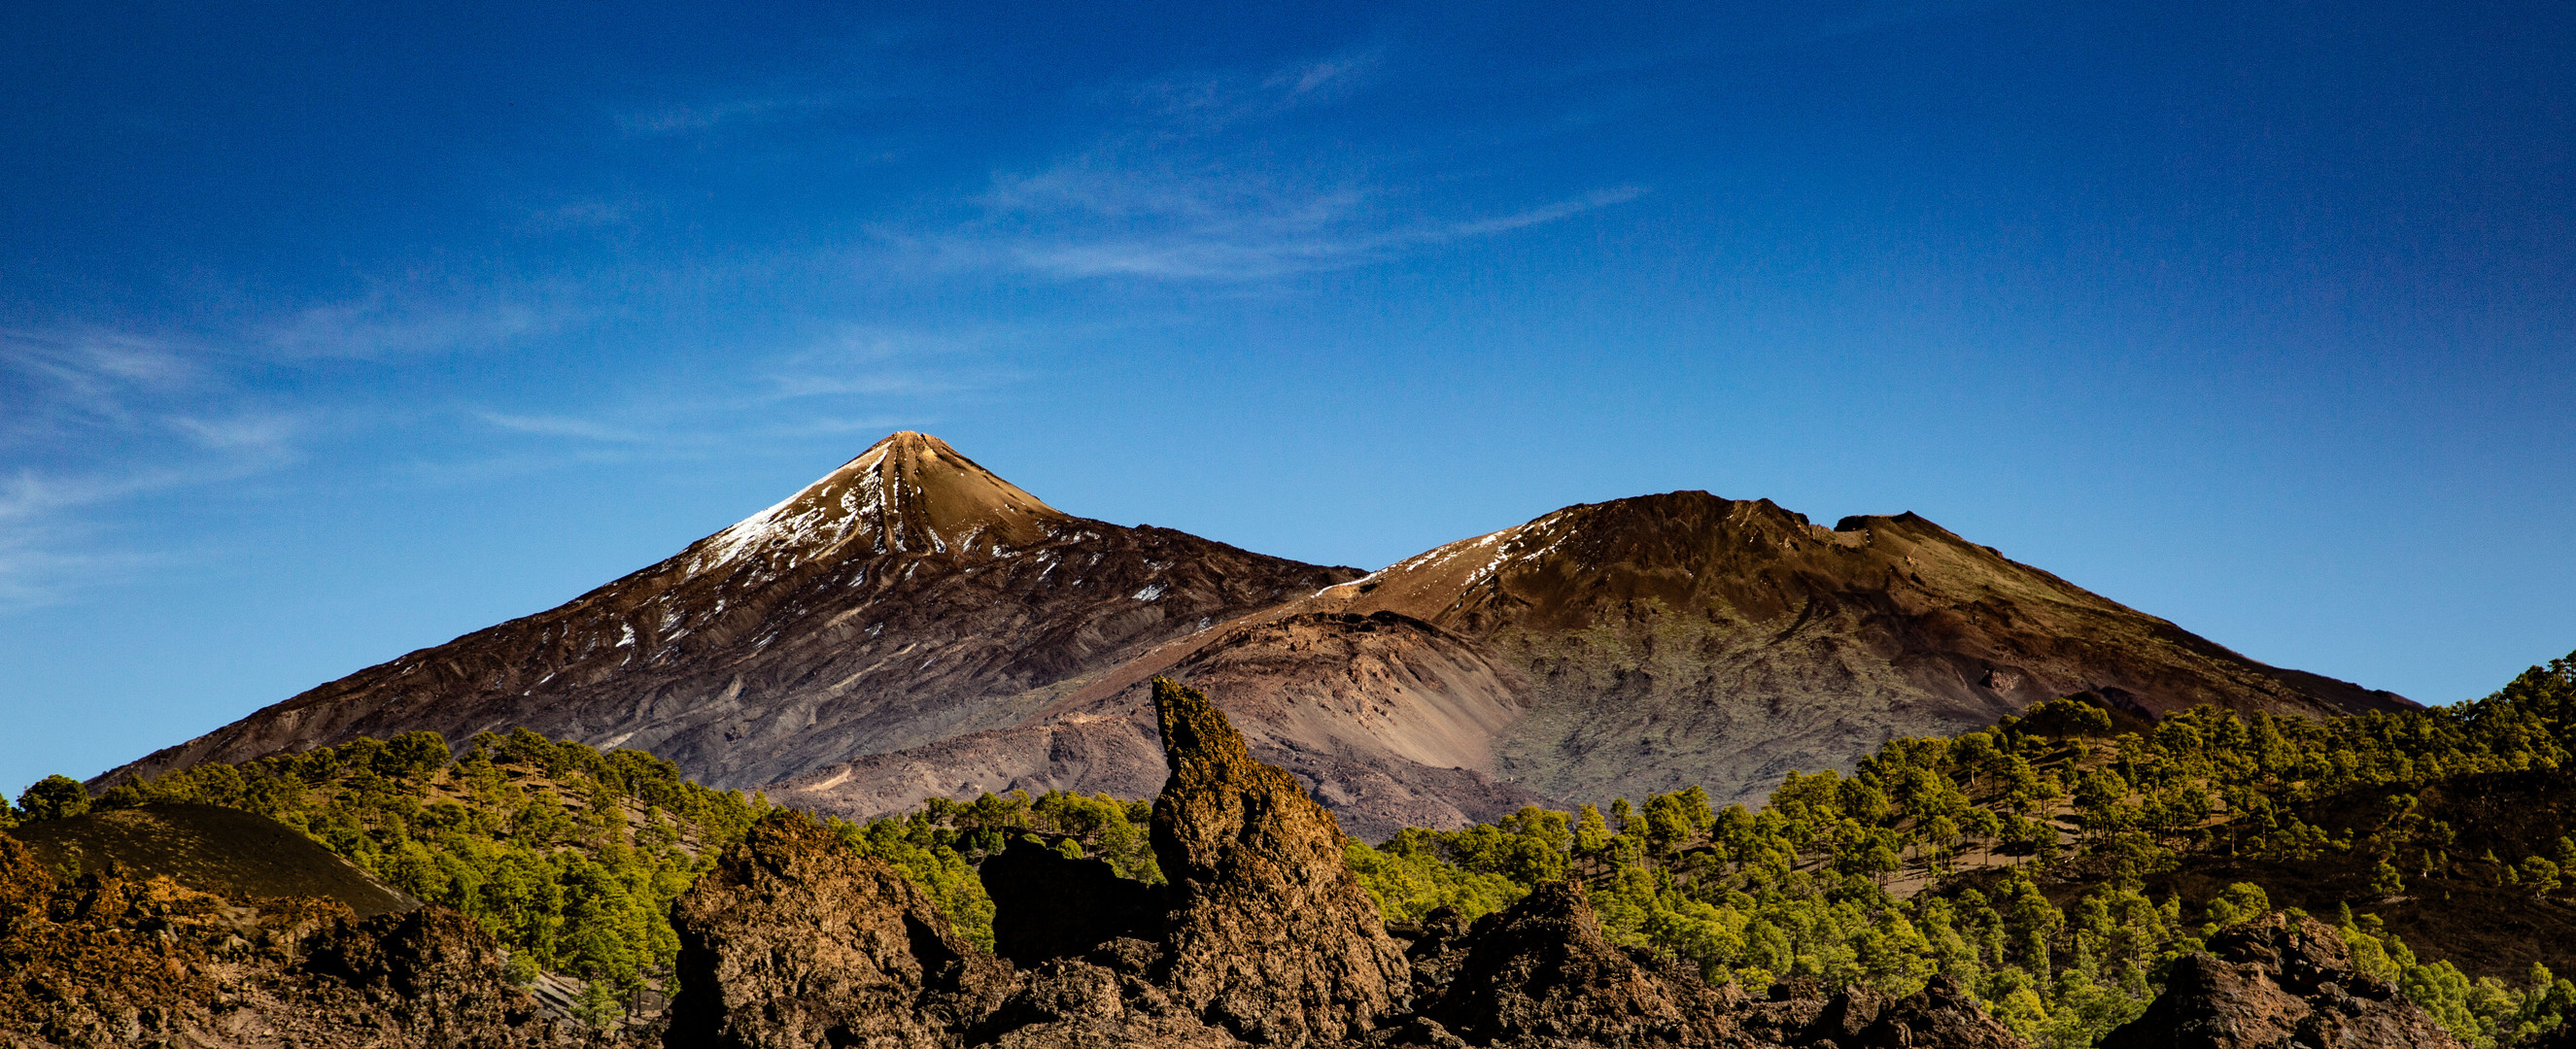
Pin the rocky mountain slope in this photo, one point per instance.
(913, 625)
(1620, 648)
(907, 597)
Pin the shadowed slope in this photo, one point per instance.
(909, 596)
(1682, 638)
(211, 849)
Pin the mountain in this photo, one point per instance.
(912, 625)
(1619, 649)
(907, 597)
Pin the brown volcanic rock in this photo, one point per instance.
(107, 960)
(1541, 972)
(1941, 1014)
(795, 941)
(1269, 934)
(908, 597)
(2278, 981)
(442, 972)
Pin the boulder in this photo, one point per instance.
(1541, 972)
(1268, 933)
(110, 960)
(1080, 1004)
(2278, 981)
(438, 971)
(1941, 1014)
(795, 941)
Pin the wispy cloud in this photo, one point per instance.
(1202, 104)
(381, 325)
(1103, 221)
(100, 417)
(884, 362)
(705, 116)
(846, 73)
(1189, 190)
(562, 426)
(856, 379)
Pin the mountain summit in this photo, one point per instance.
(912, 624)
(908, 493)
(906, 597)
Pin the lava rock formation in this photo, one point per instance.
(2278, 981)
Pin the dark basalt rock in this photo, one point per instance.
(1941, 1014)
(111, 960)
(1264, 937)
(2278, 981)
(1047, 905)
(1541, 972)
(795, 941)
(436, 968)
(1800, 1013)
(1270, 934)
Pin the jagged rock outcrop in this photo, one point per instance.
(1541, 974)
(2274, 982)
(796, 942)
(1541, 971)
(1269, 933)
(1941, 1014)
(1047, 905)
(434, 969)
(1101, 1002)
(104, 959)
(1262, 935)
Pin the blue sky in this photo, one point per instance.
(331, 332)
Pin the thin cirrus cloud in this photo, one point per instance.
(84, 392)
(563, 426)
(1170, 196)
(845, 381)
(377, 326)
(691, 119)
(1072, 224)
(113, 416)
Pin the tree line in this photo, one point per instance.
(1959, 856)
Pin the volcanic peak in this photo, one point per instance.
(908, 493)
(1671, 534)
